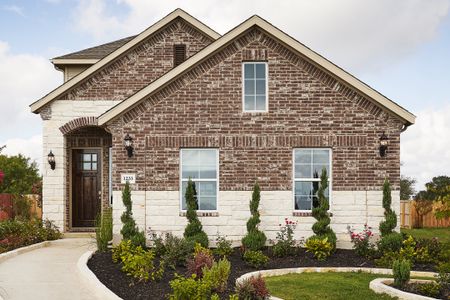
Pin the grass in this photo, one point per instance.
(324, 286)
(443, 234)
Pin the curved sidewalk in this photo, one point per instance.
(46, 273)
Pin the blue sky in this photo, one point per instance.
(401, 48)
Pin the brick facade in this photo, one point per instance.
(140, 66)
(307, 108)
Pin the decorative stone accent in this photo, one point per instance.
(384, 286)
(78, 123)
(201, 214)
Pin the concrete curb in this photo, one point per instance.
(91, 281)
(279, 272)
(18, 251)
(381, 286)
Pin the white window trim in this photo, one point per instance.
(243, 87)
(181, 180)
(330, 177)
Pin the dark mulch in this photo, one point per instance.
(126, 287)
(415, 289)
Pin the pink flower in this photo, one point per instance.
(2, 175)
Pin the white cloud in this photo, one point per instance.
(31, 147)
(15, 9)
(24, 78)
(358, 35)
(425, 146)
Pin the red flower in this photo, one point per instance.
(2, 175)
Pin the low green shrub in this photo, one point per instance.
(443, 278)
(431, 289)
(320, 248)
(121, 250)
(103, 230)
(387, 259)
(223, 246)
(401, 270)
(176, 250)
(18, 233)
(256, 259)
(139, 264)
(218, 275)
(253, 288)
(189, 288)
(158, 244)
(390, 242)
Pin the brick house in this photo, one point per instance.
(251, 105)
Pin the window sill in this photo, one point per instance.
(202, 214)
(302, 213)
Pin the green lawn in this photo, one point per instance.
(443, 234)
(324, 286)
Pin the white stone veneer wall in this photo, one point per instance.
(161, 211)
(54, 181)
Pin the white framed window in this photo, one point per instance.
(307, 168)
(201, 165)
(254, 87)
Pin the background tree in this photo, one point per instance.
(389, 223)
(407, 187)
(130, 230)
(254, 239)
(20, 174)
(194, 229)
(438, 190)
(322, 227)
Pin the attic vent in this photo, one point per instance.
(179, 54)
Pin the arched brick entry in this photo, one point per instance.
(78, 123)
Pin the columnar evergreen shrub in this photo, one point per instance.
(129, 230)
(401, 270)
(322, 228)
(254, 239)
(103, 230)
(388, 225)
(194, 229)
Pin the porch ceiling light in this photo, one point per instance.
(51, 160)
(383, 144)
(128, 140)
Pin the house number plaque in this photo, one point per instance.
(131, 178)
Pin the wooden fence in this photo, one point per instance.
(409, 218)
(7, 206)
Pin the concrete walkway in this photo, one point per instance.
(46, 273)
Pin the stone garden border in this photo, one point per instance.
(383, 286)
(91, 281)
(385, 289)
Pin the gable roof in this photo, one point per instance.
(407, 117)
(93, 53)
(178, 13)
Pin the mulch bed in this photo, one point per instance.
(415, 289)
(126, 287)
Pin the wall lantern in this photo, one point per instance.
(383, 144)
(51, 160)
(128, 140)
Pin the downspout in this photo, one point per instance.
(405, 126)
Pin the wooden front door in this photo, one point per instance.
(86, 187)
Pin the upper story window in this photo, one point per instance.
(201, 165)
(254, 88)
(179, 54)
(308, 165)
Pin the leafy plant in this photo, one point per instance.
(256, 259)
(189, 288)
(176, 250)
(390, 242)
(285, 242)
(19, 174)
(202, 259)
(361, 241)
(443, 278)
(254, 239)
(218, 274)
(401, 270)
(320, 248)
(103, 229)
(157, 243)
(322, 228)
(431, 289)
(129, 230)
(223, 246)
(194, 229)
(253, 288)
(21, 207)
(388, 225)
(139, 264)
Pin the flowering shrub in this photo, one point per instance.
(252, 288)
(285, 242)
(2, 175)
(361, 241)
(203, 258)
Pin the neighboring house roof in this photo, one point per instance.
(91, 55)
(36, 106)
(291, 43)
